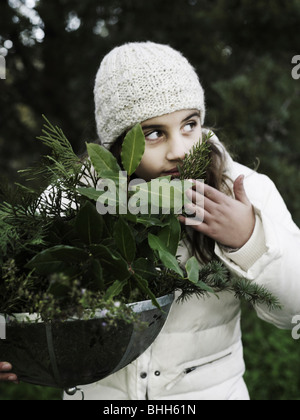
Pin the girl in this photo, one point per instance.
(198, 354)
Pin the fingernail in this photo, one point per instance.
(6, 366)
(12, 378)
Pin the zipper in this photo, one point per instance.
(192, 369)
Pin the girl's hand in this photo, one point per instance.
(5, 373)
(228, 221)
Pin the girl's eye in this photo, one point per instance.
(155, 135)
(189, 127)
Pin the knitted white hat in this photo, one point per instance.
(139, 81)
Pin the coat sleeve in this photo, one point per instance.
(273, 255)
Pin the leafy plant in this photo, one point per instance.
(60, 257)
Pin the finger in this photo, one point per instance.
(195, 224)
(198, 185)
(5, 367)
(239, 190)
(210, 192)
(8, 377)
(197, 216)
(210, 206)
(195, 197)
(190, 221)
(193, 211)
(214, 195)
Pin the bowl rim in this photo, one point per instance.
(137, 307)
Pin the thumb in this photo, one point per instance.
(239, 190)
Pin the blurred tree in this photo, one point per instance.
(241, 49)
(260, 100)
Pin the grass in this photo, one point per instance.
(272, 360)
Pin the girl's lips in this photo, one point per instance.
(173, 172)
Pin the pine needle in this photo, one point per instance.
(62, 160)
(195, 163)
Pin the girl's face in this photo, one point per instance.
(168, 139)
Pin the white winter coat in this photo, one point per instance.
(199, 355)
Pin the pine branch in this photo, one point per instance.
(64, 173)
(254, 293)
(20, 227)
(217, 277)
(195, 163)
(62, 160)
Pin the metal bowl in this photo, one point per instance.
(80, 352)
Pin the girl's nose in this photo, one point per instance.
(177, 149)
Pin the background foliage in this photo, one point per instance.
(242, 51)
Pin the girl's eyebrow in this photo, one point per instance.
(161, 126)
(153, 127)
(194, 114)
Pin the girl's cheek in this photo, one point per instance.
(148, 167)
(143, 172)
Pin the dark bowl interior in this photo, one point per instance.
(80, 352)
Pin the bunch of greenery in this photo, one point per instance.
(59, 257)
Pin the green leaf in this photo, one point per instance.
(117, 177)
(56, 259)
(111, 192)
(89, 224)
(112, 262)
(155, 243)
(130, 218)
(90, 193)
(149, 221)
(125, 240)
(133, 149)
(161, 193)
(170, 262)
(103, 161)
(144, 287)
(96, 273)
(166, 257)
(193, 268)
(170, 235)
(115, 289)
(144, 268)
(205, 287)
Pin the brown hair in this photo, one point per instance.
(201, 246)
